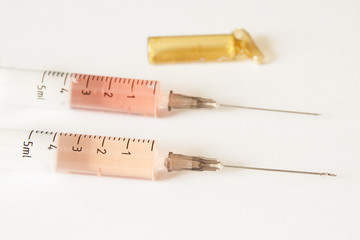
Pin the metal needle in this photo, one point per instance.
(268, 109)
(281, 170)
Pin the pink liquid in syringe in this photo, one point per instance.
(114, 94)
(106, 156)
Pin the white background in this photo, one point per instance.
(312, 49)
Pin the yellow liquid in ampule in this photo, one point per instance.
(203, 48)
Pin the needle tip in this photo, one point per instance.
(328, 174)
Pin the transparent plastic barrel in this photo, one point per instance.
(72, 90)
(79, 153)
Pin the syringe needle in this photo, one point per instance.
(189, 102)
(267, 109)
(281, 170)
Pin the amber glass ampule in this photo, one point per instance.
(204, 48)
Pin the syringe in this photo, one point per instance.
(83, 91)
(100, 155)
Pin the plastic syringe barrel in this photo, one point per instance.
(79, 153)
(59, 89)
